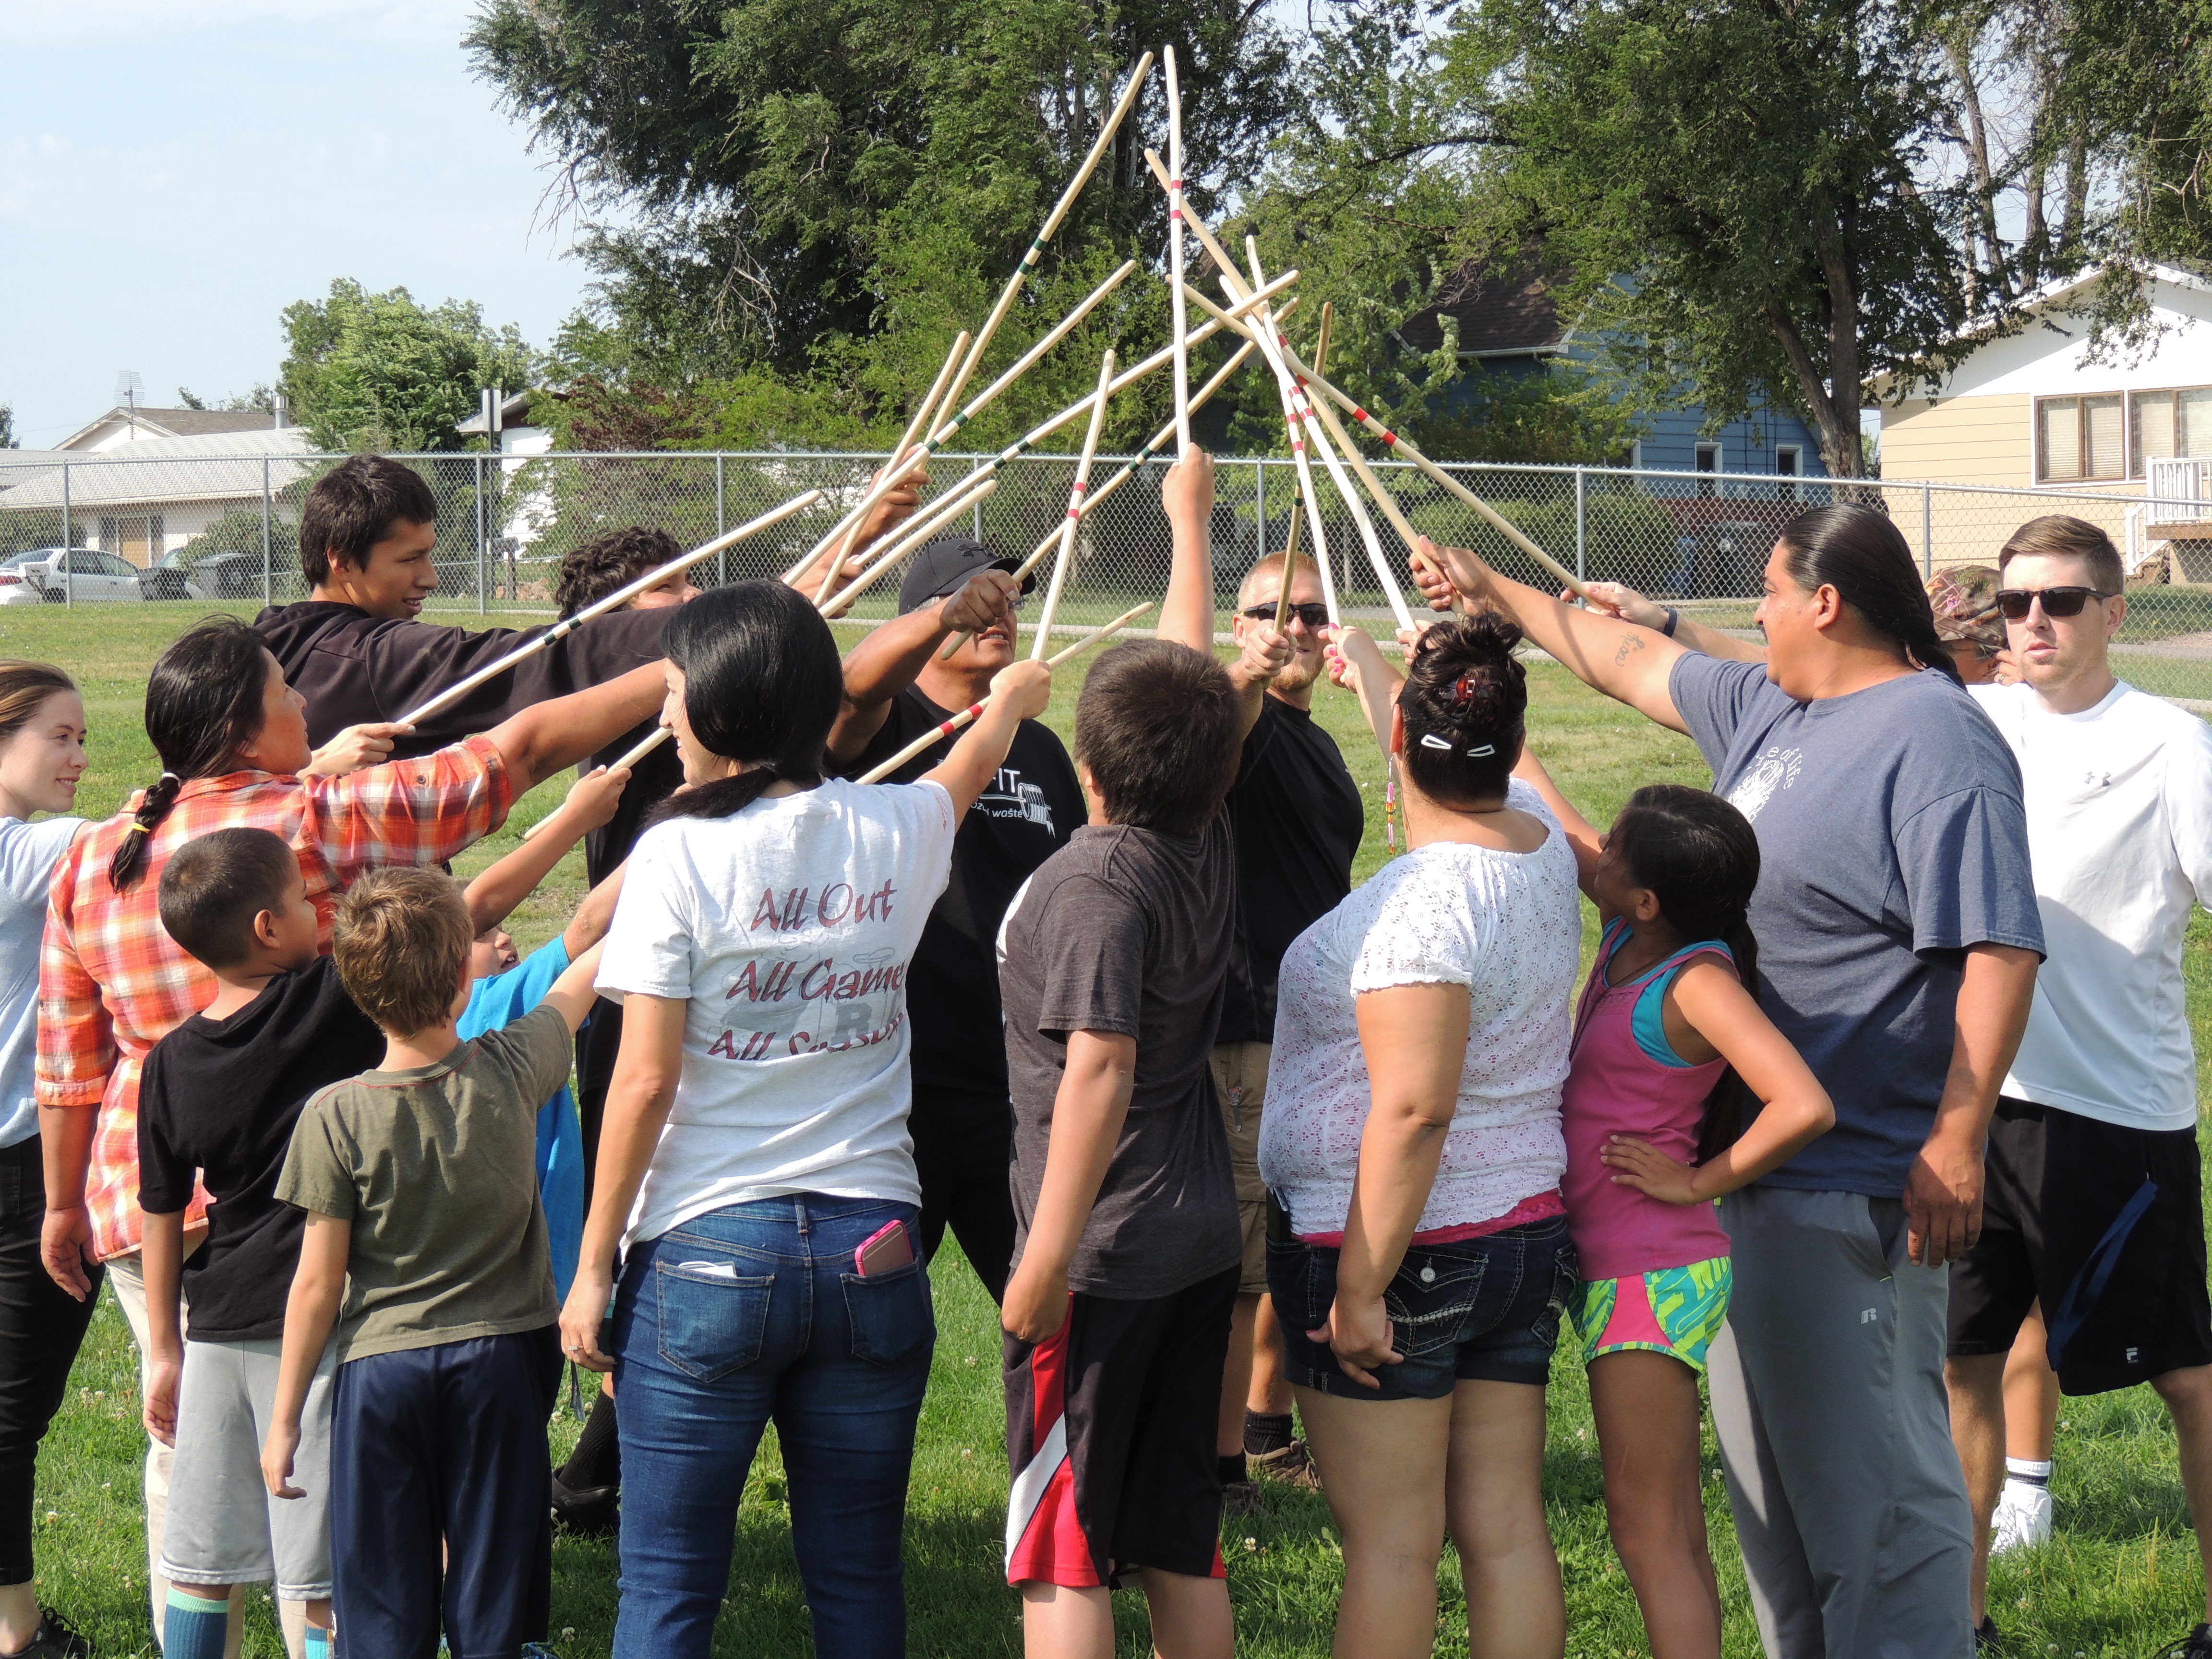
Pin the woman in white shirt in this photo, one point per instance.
(1421, 1263)
(755, 1168)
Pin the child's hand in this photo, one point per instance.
(354, 748)
(160, 1407)
(1266, 653)
(276, 1454)
(1036, 1305)
(593, 796)
(1186, 492)
(1640, 1164)
(1023, 689)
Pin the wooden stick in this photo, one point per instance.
(915, 427)
(878, 773)
(660, 735)
(621, 596)
(1291, 543)
(1075, 506)
(888, 481)
(1051, 224)
(1178, 315)
(917, 533)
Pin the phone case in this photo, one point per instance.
(883, 1250)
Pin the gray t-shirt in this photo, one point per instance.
(1890, 837)
(28, 853)
(1128, 931)
(436, 1168)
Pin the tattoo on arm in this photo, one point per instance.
(1628, 642)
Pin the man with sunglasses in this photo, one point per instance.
(1297, 818)
(2092, 1199)
(898, 688)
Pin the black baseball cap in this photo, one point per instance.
(942, 567)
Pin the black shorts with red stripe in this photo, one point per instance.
(1110, 1430)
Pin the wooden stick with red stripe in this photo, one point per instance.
(1176, 311)
(1096, 636)
(1074, 509)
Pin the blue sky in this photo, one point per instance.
(173, 173)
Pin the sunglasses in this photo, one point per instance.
(1315, 616)
(2013, 602)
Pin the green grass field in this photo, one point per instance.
(2120, 1578)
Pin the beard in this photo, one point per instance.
(1303, 671)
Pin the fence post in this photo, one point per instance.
(973, 466)
(69, 587)
(1927, 531)
(482, 574)
(268, 582)
(1582, 573)
(1259, 508)
(722, 558)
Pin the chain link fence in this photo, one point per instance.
(227, 527)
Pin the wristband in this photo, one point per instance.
(1673, 616)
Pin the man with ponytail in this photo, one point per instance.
(1898, 940)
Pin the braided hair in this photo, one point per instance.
(761, 685)
(1857, 551)
(203, 702)
(1697, 855)
(1465, 702)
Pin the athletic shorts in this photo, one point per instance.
(223, 1528)
(1482, 1309)
(2107, 1225)
(1671, 1311)
(1110, 1430)
(1240, 1079)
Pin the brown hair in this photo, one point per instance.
(1466, 704)
(2058, 536)
(353, 507)
(1157, 725)
(214, 885)
(611, 559)
(24, 689)
(402, 944)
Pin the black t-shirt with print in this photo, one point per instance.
(1025, 814)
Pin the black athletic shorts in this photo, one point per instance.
(2068, 1216)
(1111, 1424)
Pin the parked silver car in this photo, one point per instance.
(37, 577)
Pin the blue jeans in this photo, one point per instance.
(740, 1317)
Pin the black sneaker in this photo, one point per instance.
(587, 1511)
(2197, 1645)
(54, 1640)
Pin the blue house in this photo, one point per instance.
(1509, 325)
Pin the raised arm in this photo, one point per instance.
(1618, 600)
(552, 736)
(1618, 658)
(1356, 662)
(889, 658)
(1186, 494)
(1582, 835)
(595, 914)
(590, 805)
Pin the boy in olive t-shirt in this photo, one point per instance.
(419, 1183)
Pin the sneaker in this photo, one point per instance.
(2197, 1645)
(1240, 1497)
(54, 1639)
(1288, 1464)
(586, 1512)
(2022, 1518)
(1986, 1639)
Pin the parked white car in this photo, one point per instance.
(38, 577)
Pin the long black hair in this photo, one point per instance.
(203, 702)
(1466, 705)
(761, 685)
(1866, 559)
(1698, 856)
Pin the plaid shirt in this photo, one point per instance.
(111, 982)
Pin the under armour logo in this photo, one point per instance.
(2097, 779)
(1868, 1318)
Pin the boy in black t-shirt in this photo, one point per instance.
(896, 688)
(220, 1096)
(1113, 962)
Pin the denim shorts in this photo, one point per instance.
(1482, 1309)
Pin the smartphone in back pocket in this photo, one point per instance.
(888, 1247)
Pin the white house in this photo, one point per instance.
(2123, 439)
(121, 425)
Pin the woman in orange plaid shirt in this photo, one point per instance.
(232, 738)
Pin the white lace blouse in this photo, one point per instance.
(1508, 925)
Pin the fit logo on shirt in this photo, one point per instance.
(1008, 797)
(1773, 772)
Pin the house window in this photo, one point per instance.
(1708, 459)
(2167, 424)
(2078, 439)
(1785, 460)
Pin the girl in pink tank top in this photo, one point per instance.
(1667, 1038)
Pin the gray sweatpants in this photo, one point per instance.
(1835, 1432)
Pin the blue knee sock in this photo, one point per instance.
(319, 1643)
(193, 1627)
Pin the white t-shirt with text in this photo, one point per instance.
(2119, 830)
(788, 929)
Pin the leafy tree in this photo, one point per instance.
(262, 397)
(378, 371)
(8, 425)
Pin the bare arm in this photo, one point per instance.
(1355, 664)
(889, 658)
(638, 1102)
(1618, 600)
(65, 1237)
(550, 736)
(1626, 662)
(1186, 493)
(1087, 1115)
(1414, 1037)
(1582, 835)
(1019, 691)
(162, 1258)
(1943, 1188)
(571, 993)
(591, 804)
(595, 914)
(309, 1313)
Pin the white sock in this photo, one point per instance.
(2021, 1471)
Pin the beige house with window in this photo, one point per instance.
(2128, 440)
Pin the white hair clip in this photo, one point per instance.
(1482, 748)
(1430, 740)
